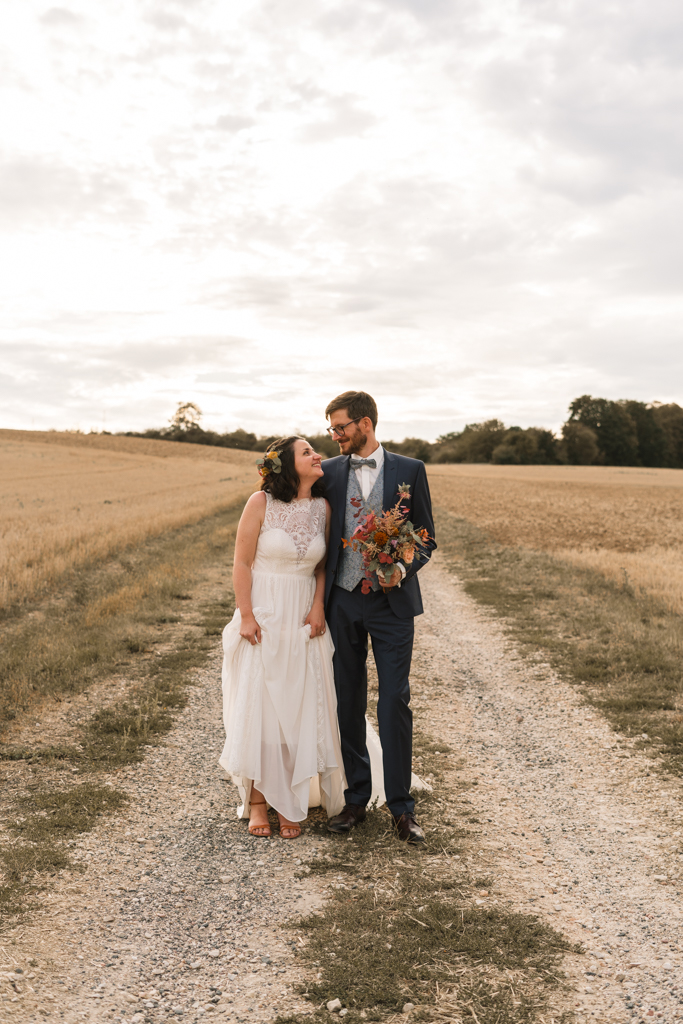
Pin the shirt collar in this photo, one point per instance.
(377, 455)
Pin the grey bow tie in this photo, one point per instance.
(357, 463)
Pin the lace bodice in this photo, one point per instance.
(292, 538)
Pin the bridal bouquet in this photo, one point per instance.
(385, 539)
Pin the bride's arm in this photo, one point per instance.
(245, 551)
(316, 616)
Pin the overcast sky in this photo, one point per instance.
(469, 209)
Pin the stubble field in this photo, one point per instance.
(70, 500)
(627, 524)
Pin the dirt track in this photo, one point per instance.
(179, 912)
(575, 825)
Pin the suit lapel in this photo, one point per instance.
(340, 491)
(390, 472)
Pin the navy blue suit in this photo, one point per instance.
(389, 620)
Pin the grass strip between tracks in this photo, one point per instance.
(403, 925)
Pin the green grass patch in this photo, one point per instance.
(58, 814)
(46, 819)
(405, 928)
(623, 647)
(417, 937)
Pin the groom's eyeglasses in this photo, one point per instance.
(341, 429)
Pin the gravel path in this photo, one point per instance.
(179, 914)
(576, 825)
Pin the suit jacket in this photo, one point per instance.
(406, 600)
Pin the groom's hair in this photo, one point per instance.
(357, 403)
(284, 486)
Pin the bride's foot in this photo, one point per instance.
(258, 819)
(289, 829)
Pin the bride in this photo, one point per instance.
(282, 743)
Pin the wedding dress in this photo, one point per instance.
(279, 701)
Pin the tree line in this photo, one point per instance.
(598, 432)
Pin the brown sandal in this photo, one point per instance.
(296, 829)
(265, 832)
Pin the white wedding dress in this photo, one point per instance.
(279, 701)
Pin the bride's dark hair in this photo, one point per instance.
(284, 486)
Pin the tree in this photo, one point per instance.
(670, 419)
(240, 439)
(649, 432)
(473, 444)
(579, 445)
(186, 417)
(533, 446)
(615, 430)
(413, 447)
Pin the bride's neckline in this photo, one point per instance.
(294, 501)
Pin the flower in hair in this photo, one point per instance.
(270, 463)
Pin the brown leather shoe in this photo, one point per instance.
(408, 829)
(346, 819)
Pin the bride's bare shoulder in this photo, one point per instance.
(256, 505)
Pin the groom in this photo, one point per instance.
(365, 470)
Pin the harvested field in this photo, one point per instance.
(68, 500)
(626, 524)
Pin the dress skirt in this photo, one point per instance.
(280, 705)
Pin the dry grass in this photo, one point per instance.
(69, 500)
(585, 564)
(622, 647)
(108, 613)
(119, 626)
(626, 524)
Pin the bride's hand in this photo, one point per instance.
(250, 630)
(316, 619)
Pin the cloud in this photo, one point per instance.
(595, 91)
(234, 122)
(34, 190)
(343, 117)
(469, 208)
(166, 22)
(61, 17)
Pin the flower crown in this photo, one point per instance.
(270, 463)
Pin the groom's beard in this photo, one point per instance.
(356, 443)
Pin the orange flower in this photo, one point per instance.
(380, 538)
(408, 554)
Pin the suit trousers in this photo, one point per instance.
(352, 617)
